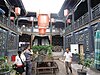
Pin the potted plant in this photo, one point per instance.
(49, 51)
(85, 63)
(4, 66)
(42, 51)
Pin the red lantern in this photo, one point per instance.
(66, 12)
(42, 31)
(68, 21)
(17, 10)
(43, 20)
(12, 18)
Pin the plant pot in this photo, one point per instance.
(81, 72)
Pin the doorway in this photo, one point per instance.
(81, 52)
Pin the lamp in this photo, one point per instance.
(66, 12)
(17, 10)
(68, 21)
(12, 18)
(42, 31)
(43, 22)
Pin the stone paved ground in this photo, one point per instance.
(61, 69)
(74, 66)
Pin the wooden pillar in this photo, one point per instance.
(50, 31)
(17, 41)
(9, 13)
(89, 9)
(64, 42)
(72, 17)
(32, 38)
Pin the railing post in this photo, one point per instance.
(64, 42)
(89, 10)
(9, 17)
(72, 19)
(32, 32)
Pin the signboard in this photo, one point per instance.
(74, 48)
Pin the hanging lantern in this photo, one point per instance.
(68, 21)
(66, 12)
(17, 10)
(52, 20)
(31, 19)
(12, 18)
(43, 20)
(42, 31)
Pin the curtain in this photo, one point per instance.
(97, 49)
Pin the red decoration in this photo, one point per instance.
(17, 10)
(42, 31)
(13, 57)
(68, 21)
(43, 20)
(11, 18)
(66, 12)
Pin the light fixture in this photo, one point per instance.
(52, 20)
(43, 22)
(68, 21)
(42, 31)
(17, 10)
(66, 12)
(12, 18)
(23, 26)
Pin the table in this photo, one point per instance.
(47, 66)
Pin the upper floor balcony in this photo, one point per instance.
(84, 20)
(7, 24)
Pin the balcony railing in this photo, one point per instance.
(4, 21)
(68, 29)
(96, 11)
(83, 20)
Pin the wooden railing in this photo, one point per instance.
(96, 11)
(83, 20)
(5, 22)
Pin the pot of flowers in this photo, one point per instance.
(84, 64)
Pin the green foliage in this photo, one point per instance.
(41, 48)
(3, 64)
(85, 62)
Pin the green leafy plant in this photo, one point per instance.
(4, 66)
(44, 52)
(85, 62)
(42, 48)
